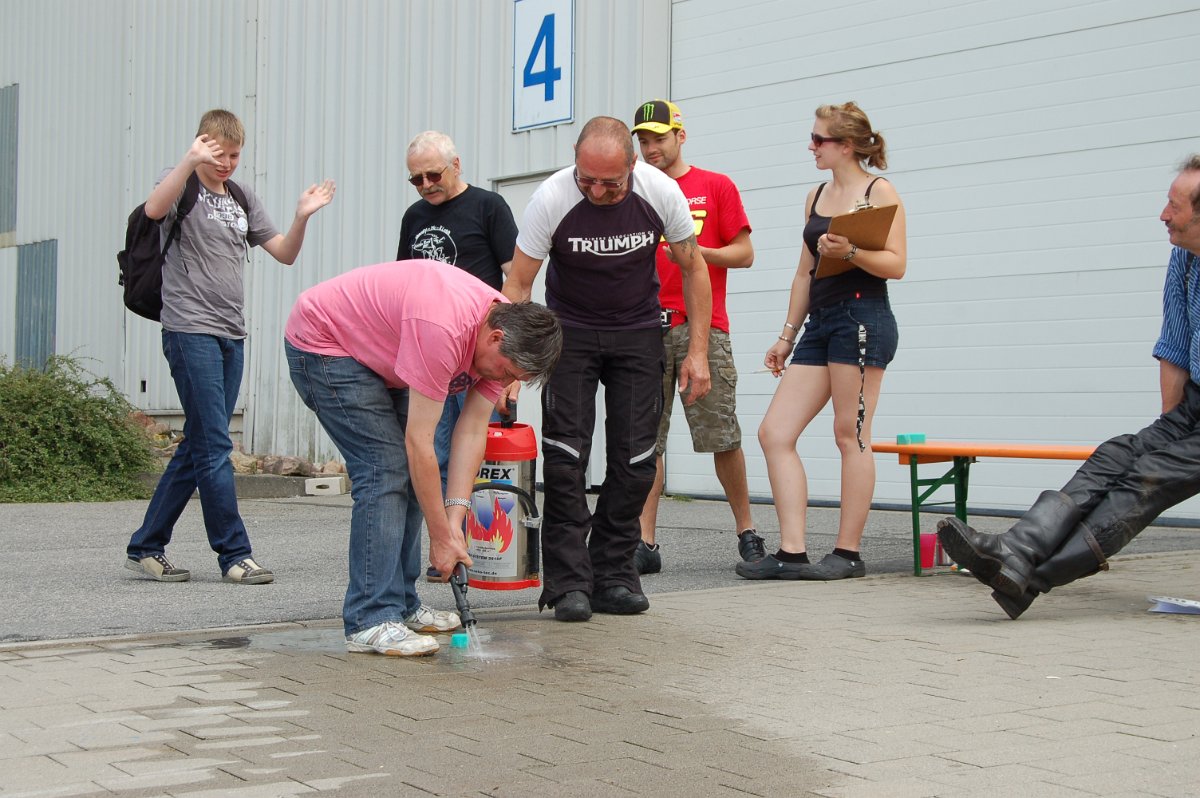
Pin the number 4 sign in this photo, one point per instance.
(543, 63)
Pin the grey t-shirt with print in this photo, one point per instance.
(202, 288)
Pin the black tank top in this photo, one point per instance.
(840, 287)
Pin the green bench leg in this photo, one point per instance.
(959, 475)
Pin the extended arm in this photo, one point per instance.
(446, 545)
(737, 254)
(285, 248)
(519, 285)
(694, 379)
(1171, 381)
(203, 150)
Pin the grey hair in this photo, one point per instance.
(1192, 164)
(532, 337)
(433, 140)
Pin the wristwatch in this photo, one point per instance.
(850, 255)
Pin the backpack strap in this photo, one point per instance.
(187, 201)
(239, 196)
(191, 190)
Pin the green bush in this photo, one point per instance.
(66, 435)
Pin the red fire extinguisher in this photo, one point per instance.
(503, 525)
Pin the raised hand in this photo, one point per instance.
(205, 149)
(315, 197)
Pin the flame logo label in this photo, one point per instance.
(495, 528)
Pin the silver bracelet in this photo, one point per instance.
(458, 503)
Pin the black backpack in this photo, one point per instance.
(141, 261)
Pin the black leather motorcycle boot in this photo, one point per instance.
(1006, 562)
(1080, 556)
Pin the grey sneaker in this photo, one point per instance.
(159, 568)
(750, 546)
(647, 559)
(248, 572)
(391, 638)
(833, 567)
(427, 620)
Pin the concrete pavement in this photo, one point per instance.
(885, 686)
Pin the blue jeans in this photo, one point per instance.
(831, 334)
(208, 373)
(366, 420)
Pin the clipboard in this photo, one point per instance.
(866, 229)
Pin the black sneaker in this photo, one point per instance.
(647, 559)
(833, 567)
(750, 546)
(770, 568)
(619, 600)
(573, 606)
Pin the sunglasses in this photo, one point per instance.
(591, 181)
(818, 139)
(419, 179)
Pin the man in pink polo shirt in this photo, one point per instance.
(374, 353)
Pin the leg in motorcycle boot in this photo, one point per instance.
(1081, 555)
(1006, 562)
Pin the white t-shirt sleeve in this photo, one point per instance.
(534, 235)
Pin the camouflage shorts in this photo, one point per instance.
(713, 419)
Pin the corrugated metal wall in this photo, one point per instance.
(111, 91)
(1032, 143)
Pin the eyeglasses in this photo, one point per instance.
(419, 179)
(591, 181)
(818, 139)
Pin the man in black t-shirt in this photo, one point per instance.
(459, 224)
(597, 224)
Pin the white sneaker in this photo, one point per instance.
(391, 638)
(158, 567)
(427, 620)
(248, 572)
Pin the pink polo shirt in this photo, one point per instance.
(412, 322)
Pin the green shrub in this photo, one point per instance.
(66, 435)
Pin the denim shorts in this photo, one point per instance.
(831, 334)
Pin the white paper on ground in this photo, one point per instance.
(1174, 605)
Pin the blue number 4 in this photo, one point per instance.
(550, 74)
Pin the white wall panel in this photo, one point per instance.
(111, 92)
(1032, 143)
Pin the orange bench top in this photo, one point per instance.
(940, 451)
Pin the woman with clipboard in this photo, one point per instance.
(839, 295)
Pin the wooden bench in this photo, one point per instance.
(961, 454)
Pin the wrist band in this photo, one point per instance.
(787, 340)
(458, 503)
(791, 326)
(850, 255)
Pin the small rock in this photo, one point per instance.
(286, 466)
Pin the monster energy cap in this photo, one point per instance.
(657, 116)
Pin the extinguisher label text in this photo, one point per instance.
(496, 473)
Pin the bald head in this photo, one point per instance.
(605, 135)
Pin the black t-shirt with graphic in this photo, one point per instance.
(475, 231)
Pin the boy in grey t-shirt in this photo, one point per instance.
(203, 334)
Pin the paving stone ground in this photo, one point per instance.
(890, 685)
